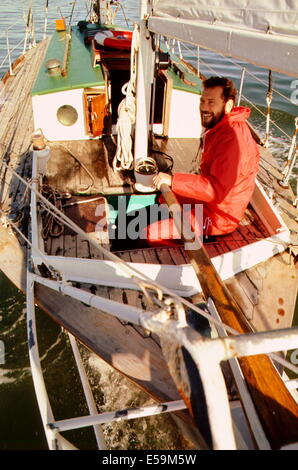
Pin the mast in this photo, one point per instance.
(102, 12)
(143, 91)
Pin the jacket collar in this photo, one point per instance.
(238, 114)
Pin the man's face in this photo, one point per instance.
(212, 106)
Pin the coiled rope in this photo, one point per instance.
(51, 225)
(123, 159)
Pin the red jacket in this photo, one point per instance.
(228, 168)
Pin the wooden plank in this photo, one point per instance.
(120, 346)
(21, 86)
(17, 112)
(164, 256)
(83, 250)
(137, 298)
(177, 256)
(226, 243)
(211, 249)
(118, 295)
(276, 282)
(125, 255)
(94, 253)
(219, 246)
(246, 234)
(137, 256)
(150, 256)
(57, 246)
(48, 245)
(182, 251)
(245, 293)
(70, 246)
(238, 239)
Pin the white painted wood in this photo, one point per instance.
(184, 118)
(55, 441)
(45, 109)
(246, 400)
(267, 212)
(181, 279)
(143, 93)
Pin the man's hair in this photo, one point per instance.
(229, 89)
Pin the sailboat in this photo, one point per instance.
(105, 108)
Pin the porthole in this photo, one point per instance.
(67, 115)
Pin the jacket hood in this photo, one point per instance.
(238, 114)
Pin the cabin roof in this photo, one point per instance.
(184, 80)
(80, 73)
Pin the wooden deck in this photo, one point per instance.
(85, 167)
(250, 230)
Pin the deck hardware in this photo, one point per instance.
(150, 297)
(268, 101)
(53, 67)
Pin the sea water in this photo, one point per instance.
(20, 424)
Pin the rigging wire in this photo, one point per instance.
(252, 104)
(244, 97)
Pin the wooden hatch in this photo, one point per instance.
(95, 112)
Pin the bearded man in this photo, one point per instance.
(227, 169)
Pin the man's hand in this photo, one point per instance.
(162, 178)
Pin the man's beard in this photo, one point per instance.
(214, 119)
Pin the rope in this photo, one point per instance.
(51, 226)
(123, 159)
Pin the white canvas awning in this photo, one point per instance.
(261, 32)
